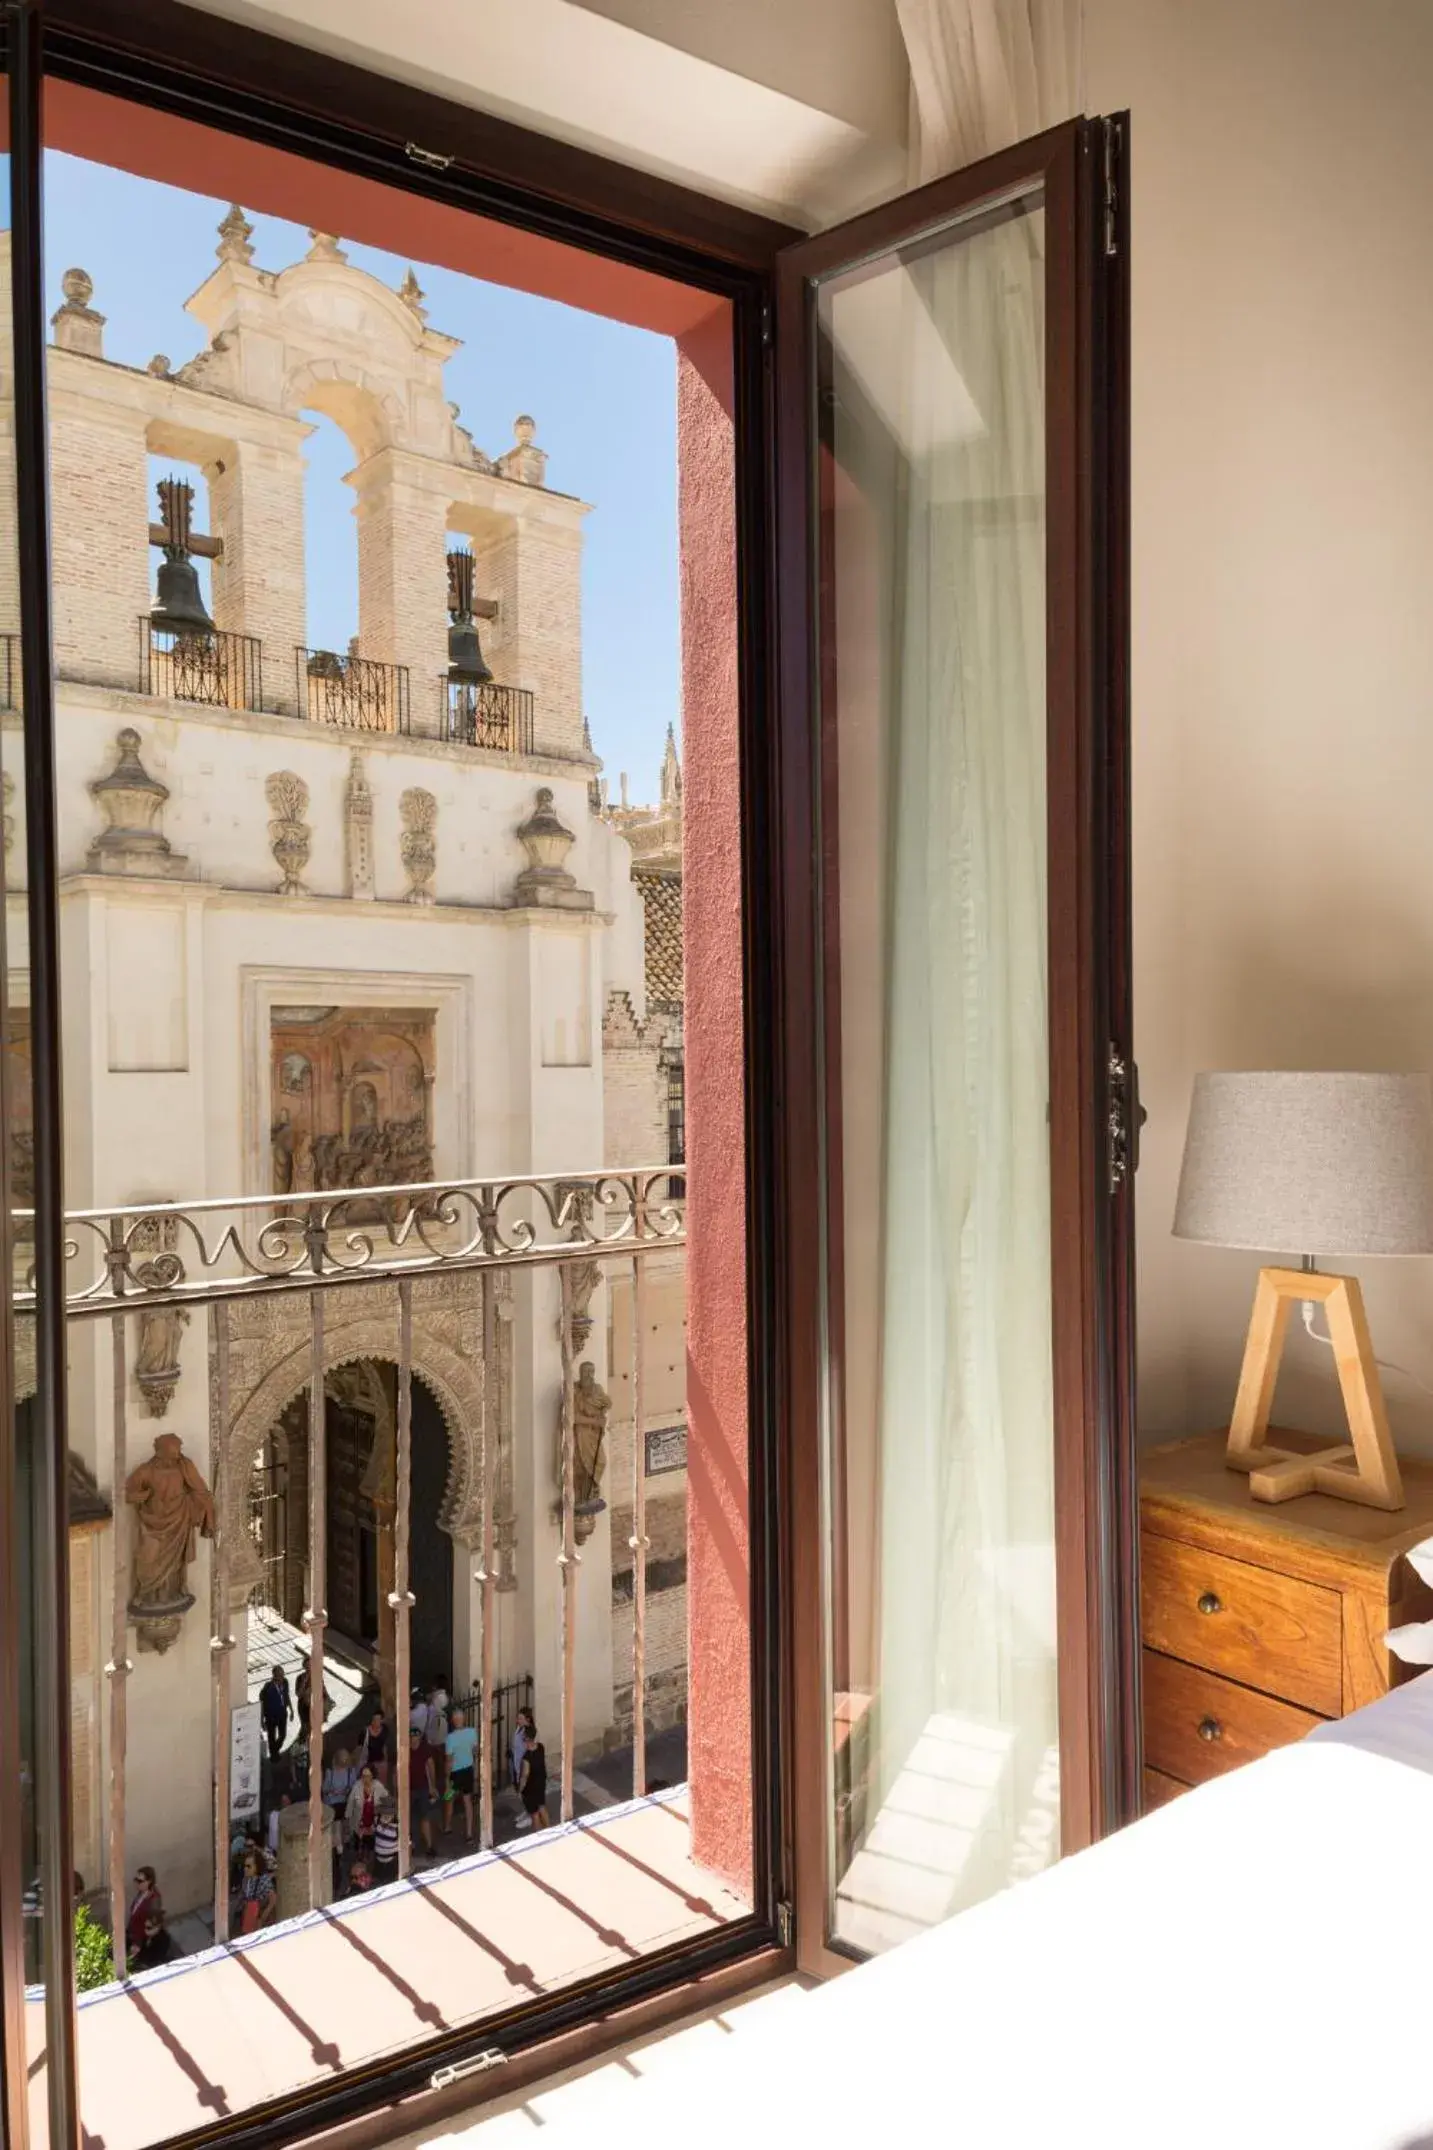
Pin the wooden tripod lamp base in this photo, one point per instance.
(1368, 1470)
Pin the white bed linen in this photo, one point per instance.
(1249, 1966)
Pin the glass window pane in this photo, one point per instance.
(944, 1756)
(348, 907)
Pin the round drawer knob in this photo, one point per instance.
(1210, 1728)
(1209, 1603)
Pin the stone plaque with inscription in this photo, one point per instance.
(666, 1449)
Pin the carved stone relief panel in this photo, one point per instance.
(351, 1098)
(290, 838)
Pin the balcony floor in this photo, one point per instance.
(217, 2033)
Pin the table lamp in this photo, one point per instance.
(1311, 1164)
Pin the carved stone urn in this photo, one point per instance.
(132, 802)
(545, 881)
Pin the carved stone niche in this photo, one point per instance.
(132, 802)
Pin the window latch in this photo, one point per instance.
(457, 2071)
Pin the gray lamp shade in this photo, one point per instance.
(1298, 1164)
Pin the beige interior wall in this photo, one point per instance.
(1283, 629)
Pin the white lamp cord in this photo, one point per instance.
(1386, 1366)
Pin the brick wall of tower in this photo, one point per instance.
(256, 505)
(402, 581)
(100, 514)
(534, 570)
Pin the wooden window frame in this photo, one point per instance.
(1080, 169)
(268, 90)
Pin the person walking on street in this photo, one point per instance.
(385, 1846)
(532, 1786)
(275, 1709)
(366, 1802)
(258, 1898)
(422, 1801)
(144, 1905)
(462, 1752)
(526, 1723)
(376, 1749)
(338, 1781)
(157, 1946)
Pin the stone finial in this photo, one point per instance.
(76, 325)
(358, 831)
(411, 293)
(671, 771)
(290, 838)
(325, 247)
(418, 845)
(159, 366)
(234, 235)
(545, 882)
(132, 802)
(525, 461)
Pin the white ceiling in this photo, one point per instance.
(792, 107)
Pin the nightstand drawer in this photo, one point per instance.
(1267, 1630)
(1196, 1725)
(1159, 1789)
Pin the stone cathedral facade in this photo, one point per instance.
(307, 943)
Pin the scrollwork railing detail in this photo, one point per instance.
(176, 1252)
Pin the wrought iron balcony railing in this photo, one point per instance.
(489, 716)
(357, 694)
(125, 1265)
(10, 672)
(222, 669)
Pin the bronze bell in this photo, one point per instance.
(467, 667)
(179, 607)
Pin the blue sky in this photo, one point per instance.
(603, 395)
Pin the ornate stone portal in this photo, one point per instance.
(351, 1098)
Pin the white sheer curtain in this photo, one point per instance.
(986, 73)
(962, 1762)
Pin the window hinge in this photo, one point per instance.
(1124, 1117)
(458, 2070)
(785, 1925)
(766, 325)
(1112, 187)
(432, 160)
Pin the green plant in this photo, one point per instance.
(94, 1958)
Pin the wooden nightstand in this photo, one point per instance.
(1259, 1621)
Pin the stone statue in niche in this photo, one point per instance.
(156, 1362)
(173, 1508)
(591, 1407)
(582, 1281)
